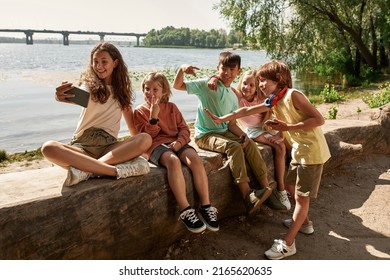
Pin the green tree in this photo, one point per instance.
(330, 36)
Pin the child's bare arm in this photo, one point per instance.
(178, 83)
(129, 118)
(241, 112)
(314, 118)
(212, 83)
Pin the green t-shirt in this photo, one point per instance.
(220, 102)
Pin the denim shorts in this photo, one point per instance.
(94, 142)
(159, 150)
(254, 132)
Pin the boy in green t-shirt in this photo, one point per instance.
(226, 137)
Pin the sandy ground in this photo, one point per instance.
(351, 214)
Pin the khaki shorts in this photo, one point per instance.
(306, 178)
(94, 142)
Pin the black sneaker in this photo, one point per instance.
(191, 221)
(209, 216)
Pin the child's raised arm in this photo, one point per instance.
(178, 83)
(239, 113)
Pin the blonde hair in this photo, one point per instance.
(276, 71)
(158, 77)
(251, 73)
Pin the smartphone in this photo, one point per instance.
(81, 97)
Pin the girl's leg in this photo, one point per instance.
(127, 149)
(208, 213)
(175, 178)
(191, 158)
(279, 159)
(66, 156)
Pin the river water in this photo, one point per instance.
(29, 114)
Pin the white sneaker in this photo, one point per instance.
(282, 195)
(135, 167)
(280, 250)
(305, 228)
(75, 176)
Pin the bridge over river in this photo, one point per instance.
(30, 32)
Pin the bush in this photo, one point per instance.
(333, 112)
(330, 94)
(3, 156)
(378, 99)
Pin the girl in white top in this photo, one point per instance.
(95, 148)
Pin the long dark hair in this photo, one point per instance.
(120, 81)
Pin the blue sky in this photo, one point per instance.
(111, 16)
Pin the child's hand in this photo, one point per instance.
(175, 146)
(154, 107)
(61, 92)
(274, 138)
(189, 69)
(213, 117)
(276, 124)
(212, 83)
(244, 140)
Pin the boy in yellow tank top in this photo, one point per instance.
(300, 122)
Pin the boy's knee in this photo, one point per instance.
(235, 149)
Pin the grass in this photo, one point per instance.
(6, 158)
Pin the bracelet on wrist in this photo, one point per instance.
(153, 121)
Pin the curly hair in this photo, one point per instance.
(121, 84)
(158, 77)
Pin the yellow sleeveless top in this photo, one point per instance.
(309, 146)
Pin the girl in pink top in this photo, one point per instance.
(249, 94)
(163, 121)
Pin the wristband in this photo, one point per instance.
(153, 121)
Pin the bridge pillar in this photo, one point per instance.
(65, 38)
(101, 35)
(29, 37)
(137, 40)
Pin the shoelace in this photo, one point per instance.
(125, 169)
(252, 197)
(284, 198)
(279, 246)
(212, 213)
(189, 215)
